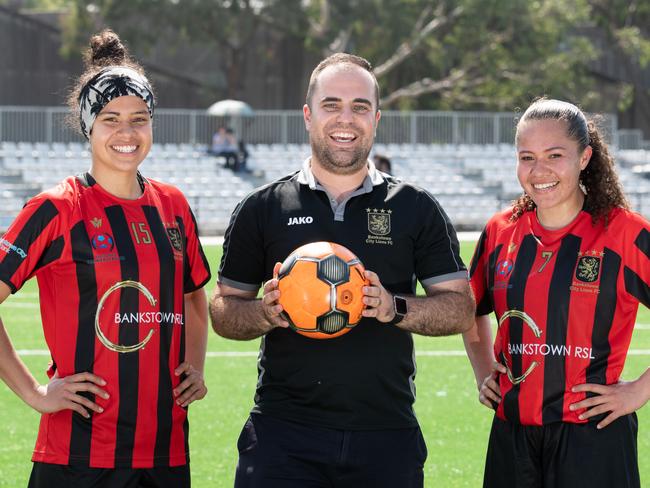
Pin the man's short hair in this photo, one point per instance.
(340, 58)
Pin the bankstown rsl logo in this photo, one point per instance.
(98, 330)
(587, 272)
(175, 238)
(532, 350)
(102, 242)
(537, 332)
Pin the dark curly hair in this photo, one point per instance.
(599, 178)
(106, 49)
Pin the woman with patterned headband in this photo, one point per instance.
(564, 271)
(121, 274)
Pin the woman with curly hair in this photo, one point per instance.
(564, 271)
(121, 274)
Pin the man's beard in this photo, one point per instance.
(343, 163)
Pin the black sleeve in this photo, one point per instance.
(437, 251)
(242, 262)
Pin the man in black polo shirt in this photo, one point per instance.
(339, 412)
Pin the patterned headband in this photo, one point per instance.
(108, 84)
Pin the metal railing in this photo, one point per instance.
(47, 124)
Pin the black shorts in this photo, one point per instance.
(276, 453)
(563, 455)
(46, 475)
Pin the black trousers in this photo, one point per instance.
(276, 453)
(46, 475)
(563, 455)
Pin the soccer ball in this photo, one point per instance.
(321, 290)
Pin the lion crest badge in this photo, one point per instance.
(379, 222)
(588, 269)
(175, 238)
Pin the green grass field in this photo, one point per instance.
(455, 425)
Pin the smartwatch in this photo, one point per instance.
(400, 307)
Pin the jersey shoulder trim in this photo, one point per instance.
(63, 196)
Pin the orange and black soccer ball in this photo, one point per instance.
(321, 290)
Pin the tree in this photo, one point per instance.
(229, 26)
(625, 28)
(488, 54)
(429, 54)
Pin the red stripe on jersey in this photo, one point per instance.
(169, 342)
(539, 283)
(145, 433)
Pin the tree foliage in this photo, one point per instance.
(625, 26)
(428, 54)
(450, 54)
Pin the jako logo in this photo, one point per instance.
(300, 220)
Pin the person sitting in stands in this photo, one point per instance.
(224, 144)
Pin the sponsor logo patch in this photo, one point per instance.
(503, 269)
(7, 247)
(102, 242)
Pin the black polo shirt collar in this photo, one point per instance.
(372, 179)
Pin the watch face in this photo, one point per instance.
(400, 306)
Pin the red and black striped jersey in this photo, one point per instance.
(112, 274)
(566, 304)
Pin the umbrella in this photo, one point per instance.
(230, 107)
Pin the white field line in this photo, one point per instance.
(13, 303)
(462, 236)
(32, 305)
(254, 354)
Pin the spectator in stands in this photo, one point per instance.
(224, 144)
(119, 266)
(243, 157)
(342, 409)
(564, 271)
(382, 163)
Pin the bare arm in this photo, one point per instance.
(196, 328)
(618, 399)
(59, 393)
(239, 315)
(479, 348)
(196, 338)
(447, 309)
(478, 345)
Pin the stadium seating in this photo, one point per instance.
(470, 181)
